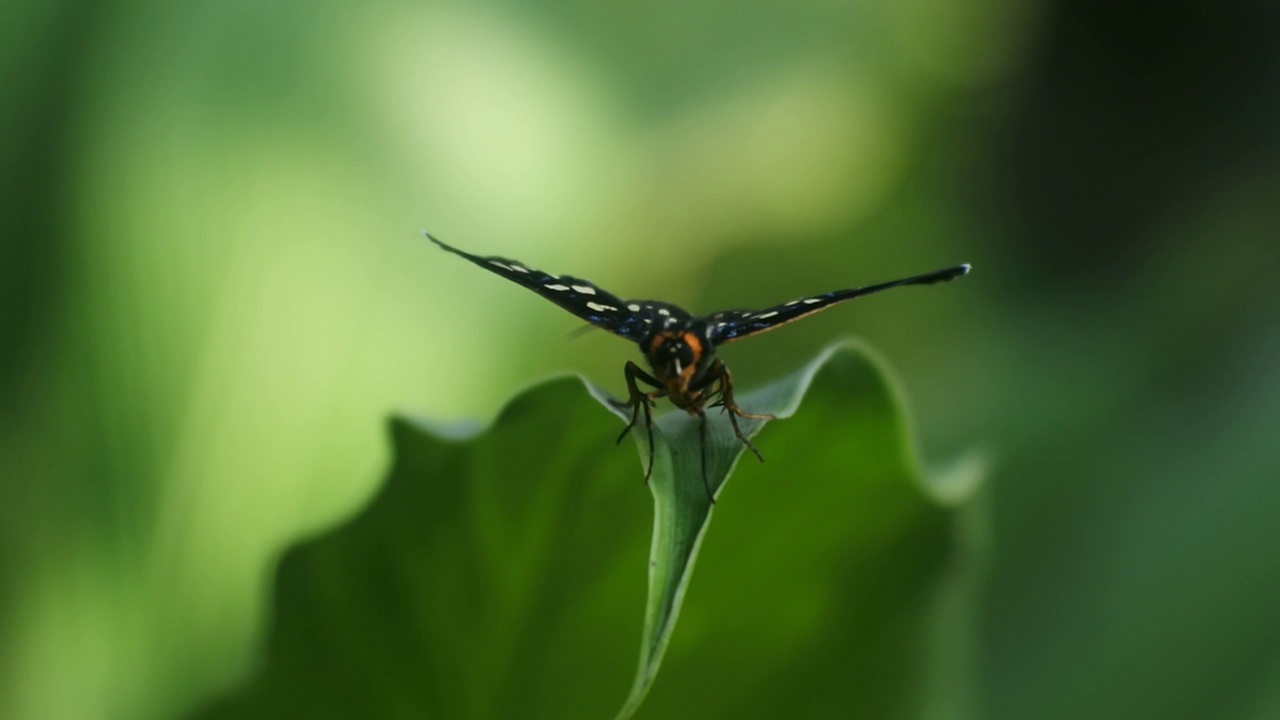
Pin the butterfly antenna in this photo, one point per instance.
(580, 332)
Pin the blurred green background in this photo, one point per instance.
(212, 294)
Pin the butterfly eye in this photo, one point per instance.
(683, 353)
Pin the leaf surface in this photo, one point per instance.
(500, 571)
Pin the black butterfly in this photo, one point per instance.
(679, 347)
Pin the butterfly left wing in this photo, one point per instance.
(580, 297)
(730, 325)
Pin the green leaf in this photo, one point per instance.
(682, 508)
(499, 571)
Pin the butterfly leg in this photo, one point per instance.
(702, 441)
(725, 390)
(639, 400)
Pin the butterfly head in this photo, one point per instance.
(678, 357)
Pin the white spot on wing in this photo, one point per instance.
(600, 308)
(499, 263)
(585, 289)
(633, 307)
(793, 302)
(557, 287)
(663, 311)
(812, 301)
(766, 315)
(520, 268)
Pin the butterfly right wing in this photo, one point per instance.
(730, 325)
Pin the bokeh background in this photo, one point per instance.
(212, 294)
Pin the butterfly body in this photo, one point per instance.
(678, 346)
(678, 361)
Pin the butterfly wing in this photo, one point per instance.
(730, 325)
(629, 319)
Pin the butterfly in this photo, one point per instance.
(678, 346)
